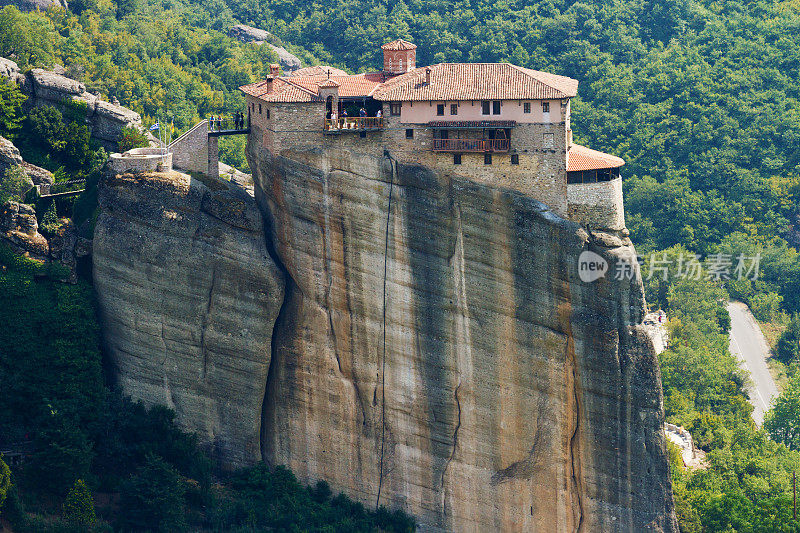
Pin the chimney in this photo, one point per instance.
(270, 80)
(427, 75)
(274, 69)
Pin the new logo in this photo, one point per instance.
(591, 266)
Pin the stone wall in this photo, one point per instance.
(541, 173)
(190, 150)
(141, 160)
(600, 205)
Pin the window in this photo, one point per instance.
(515, 159)
(484, 108)
(394, 109)
(267, 113)
(496, 107)
(487, 159)
(545, 107)
(363, 134)
(409, 134)
(548, 140)
(454, 109)
(456, 159)
(526, 107)
(259, 109)
(439, 110)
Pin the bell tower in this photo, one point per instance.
(399, 57)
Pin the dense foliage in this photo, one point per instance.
(747, 483)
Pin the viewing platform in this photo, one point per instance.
(352, 124)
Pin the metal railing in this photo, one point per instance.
(471, 145)
(353, 123)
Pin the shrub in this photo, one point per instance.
(132, 138)
(14, 185)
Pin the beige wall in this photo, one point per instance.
(597, 204)
(424, 112)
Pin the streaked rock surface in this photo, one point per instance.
(437, 352)
(188, 296)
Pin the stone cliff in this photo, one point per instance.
(434, 348)
(188, 298)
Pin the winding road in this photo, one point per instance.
(750, 347)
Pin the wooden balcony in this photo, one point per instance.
(471, 145)
(352, 124)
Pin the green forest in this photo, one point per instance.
(700, 98)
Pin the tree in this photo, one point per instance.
(153, 498)
(5, 481)
(11, 99)
(782, 422)
(788, 347)
(79, 506)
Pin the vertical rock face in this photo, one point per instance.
(188, 297)
(438, 352)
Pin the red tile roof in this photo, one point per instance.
(399, 44)
(318, 70)
(448, 82)
(476, 81)
(282, 91)
(582, 158)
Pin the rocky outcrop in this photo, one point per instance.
(20, 229)
(249, 34)
(106, 120)
(434, 349)
(10, 158)
(188, 297)
(437, 352)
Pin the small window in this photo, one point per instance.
(439, 110)
(515, 159)
(409, 134)
(487, 159)
(526, 107)
(545, 107)
(456, 159)
(259, 109)
(485, 108)
(454, 109)
(394, 109)
(267, 113)
(548, 140)
(363, 134)
(496, 107)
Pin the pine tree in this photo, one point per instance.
(79, 506)
(5, 481)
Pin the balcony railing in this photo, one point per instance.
(353, 123)
(471, 145)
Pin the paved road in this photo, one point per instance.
(750, 347)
